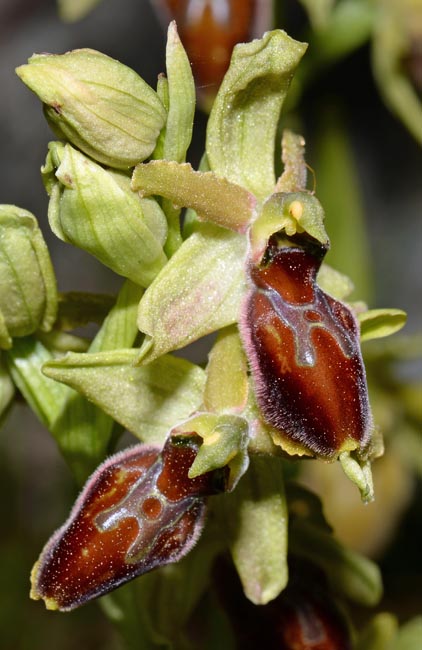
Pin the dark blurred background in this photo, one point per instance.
(36, 489)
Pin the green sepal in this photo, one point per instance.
(292, 212)
(175, 138)
(351, 574)
(147, 400)
(254, 521)
(225, 441)
(377, 323)
(198, 292)
(243, 122)
(227, 384)
(153, 215)
(98, 104)
(90, 209)
(181, 99)
(28, 292)
(213, 198)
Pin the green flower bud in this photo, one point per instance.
(97, 211)
(98, 104)
(28, 294)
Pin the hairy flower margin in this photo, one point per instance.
(290, 383)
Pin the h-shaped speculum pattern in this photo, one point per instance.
(153, 512)
(302, 319)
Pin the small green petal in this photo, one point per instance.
(214, 199)
(376, 323)
(225, 442)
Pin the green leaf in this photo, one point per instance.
(243, 122)
(227, 384)
(147, 400)
(28, 293)
(350, 573)
(338, 188)
(119, 329)
(318, 11)
(91, 210)
(379, 634)
(72, 10)
(77, 309)
(410, 634)
(82, 430)
(100, 105)
(44, 396)
(153, 612)
(61, 342)
(225, 442)
(214, 199)
(199, 291)
(7, 389)
(395, 33)
(255, 522)
(376, 323)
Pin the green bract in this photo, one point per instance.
(255, 523)
(96, 210)
(98, 104)
(28, 294)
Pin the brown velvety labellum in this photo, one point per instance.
(139, 510)
(305, 356)
(209, 30)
